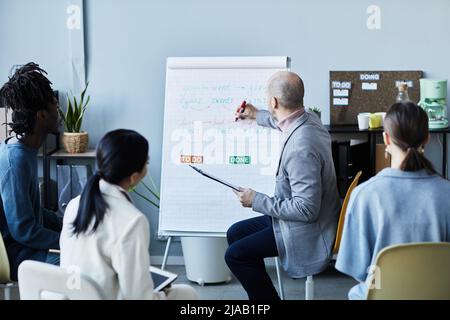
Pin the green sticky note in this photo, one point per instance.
(239, 160)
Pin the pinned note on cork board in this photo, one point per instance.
(353, 92)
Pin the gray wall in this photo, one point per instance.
(127, 43)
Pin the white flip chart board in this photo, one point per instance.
(202, 95)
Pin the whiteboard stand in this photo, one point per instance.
(166, 253)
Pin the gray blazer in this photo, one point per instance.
(306, 203)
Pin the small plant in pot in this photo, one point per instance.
(74, 140)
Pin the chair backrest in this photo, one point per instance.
(413, 271)
(352, 186)
(4, 263)
(43, 281)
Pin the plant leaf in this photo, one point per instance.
(83, 93)
(152, 182)
(79, 121)
(154, 193)
(76, 107)
(146, 199)
(69, 117)
(87, 101)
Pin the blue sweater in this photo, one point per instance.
(391, 208)
(28, 230)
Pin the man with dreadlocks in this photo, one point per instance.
(28, 230)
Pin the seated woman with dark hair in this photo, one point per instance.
(408, 202)
(104, 235)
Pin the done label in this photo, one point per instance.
(239, 160)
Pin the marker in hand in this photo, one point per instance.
(241, 109)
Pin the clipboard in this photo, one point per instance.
(203, 173)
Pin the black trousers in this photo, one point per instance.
(250, 241)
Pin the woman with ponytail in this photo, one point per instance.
(104, 235)
(408, 202)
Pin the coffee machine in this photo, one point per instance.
(433, 99)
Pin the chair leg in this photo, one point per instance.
(280, 283)
(309, 288)
(7, 292)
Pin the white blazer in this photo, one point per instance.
(115, 256)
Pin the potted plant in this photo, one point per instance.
(74, 140)
(316, 110)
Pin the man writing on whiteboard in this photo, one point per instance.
(299, 222)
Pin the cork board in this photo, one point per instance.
(353, 92)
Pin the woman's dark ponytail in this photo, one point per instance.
(407, 125)
(91, 201)
(120, 153)
(415, 160)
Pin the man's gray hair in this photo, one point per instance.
(288, 88)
